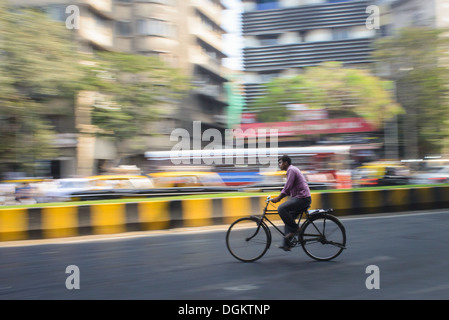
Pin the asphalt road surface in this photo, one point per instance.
(402, 256)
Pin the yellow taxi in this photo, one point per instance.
(121, 181)
(382, 174)
(185, 179)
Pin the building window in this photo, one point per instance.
(267, 4)
(123, 28)
(212, 53)
(101, 22)
(340, 33)
(385, 30)
(56, 12)
(154, 27)
(268, 40)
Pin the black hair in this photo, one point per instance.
(285, 158)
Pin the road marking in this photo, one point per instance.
(244, 287)
(431, 289)
(393, 215)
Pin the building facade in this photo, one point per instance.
(284, 36)
(186, 34)
(431, 13)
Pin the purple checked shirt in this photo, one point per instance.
(296, 185)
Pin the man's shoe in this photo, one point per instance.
(285, 248)
(289, 236)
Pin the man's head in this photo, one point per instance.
(284, 162)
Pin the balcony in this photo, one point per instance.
(100, 34)
(101, 6)
(213, 91)
(199, 57)
(210, 37)
(211, 10)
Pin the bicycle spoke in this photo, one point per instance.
(340, 245)
(323, 238)
(247, 240)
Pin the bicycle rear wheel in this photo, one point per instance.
(246, 240)
(323, 237)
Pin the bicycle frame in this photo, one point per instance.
(266, 212)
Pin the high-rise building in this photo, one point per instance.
(284, 36)
(186, 34)
(431, 13)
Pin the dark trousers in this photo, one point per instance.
(290, 210)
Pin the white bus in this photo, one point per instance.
(243, 165)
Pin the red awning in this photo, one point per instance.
(293, 128)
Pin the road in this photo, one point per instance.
(410, 251)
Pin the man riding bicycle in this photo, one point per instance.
(298, 190)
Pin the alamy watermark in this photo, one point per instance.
(373, 21)
(223, 150)
(373, 280)
(73, 20)
(73, 280)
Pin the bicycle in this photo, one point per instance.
(322, 235)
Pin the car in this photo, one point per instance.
(63, 189)
(175, 179)
(23, 190)
(431, 176)
(97, 187)
(381, 174)
(122, 181)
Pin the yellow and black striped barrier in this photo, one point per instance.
(76, 220)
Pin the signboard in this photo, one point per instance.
(310, 127)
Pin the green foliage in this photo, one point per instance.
(417, 58)
(40, 53)
(135, 87)
(38, 62)
(342, 91)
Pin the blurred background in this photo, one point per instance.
(93, 94)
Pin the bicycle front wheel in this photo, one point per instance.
(247, 240)
(323, 237)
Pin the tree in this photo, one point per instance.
(134, 89)
(38, 62)
(416, 58)
(342, 91)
